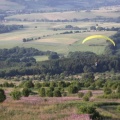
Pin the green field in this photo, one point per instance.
(53, 40)
(61, 43)
(41, 58)
(66, 15)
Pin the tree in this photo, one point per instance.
(72, 89)
(86, 109)
(28, 84)
(89, 94)
(80, 94)
(52, 84)
(37, 85)
(118, 89)
(57, 93)
(107, 91)
(49, 93)
(86, 98)
(42, 92)
(118, 108)
(25, 92)
(53, 56)
(16, 95)
(2, 95)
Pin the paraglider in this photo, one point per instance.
(98, 36)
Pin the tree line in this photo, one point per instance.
(22, 54)
(9, 28)
(82, 63)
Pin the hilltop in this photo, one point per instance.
(55, 5)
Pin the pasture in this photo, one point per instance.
(53, 40)
(69, 15)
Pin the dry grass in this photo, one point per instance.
(38, 110)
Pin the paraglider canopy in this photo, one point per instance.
(98, 36)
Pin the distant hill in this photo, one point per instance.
(56, 4)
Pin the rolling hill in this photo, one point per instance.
(55, 4)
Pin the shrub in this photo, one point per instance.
(49, 93)
(2, 95)
(16, 95)
(51, 88)
(25, 92)
(86, 98)
(28, 84)
(42, 92)
(107, 91)
(118, 108)
(64, 94)
(89, 109)
(61, 84)
(86, 109)
(72, 89)
(53, 84)
(80, 94)
(118, 90)
(89, 94)
(57, 93)
(37, 85)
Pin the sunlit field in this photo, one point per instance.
(53, 40)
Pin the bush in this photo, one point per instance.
(51, 88)
(42, 92)
(111, 96)
(57, 93)
(28, 84)
(107, 91)
(86, 109)
(86, 98)
(64, 94)
(89, 94)
(16, 95)
(89, 109)
(72, 89)
(25, 92)
(37, 85)
(2, 95)
(80, 94)
(49, 93)
(53, 84)
(118, 90)
(118, 108)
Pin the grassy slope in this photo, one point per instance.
(60, 43)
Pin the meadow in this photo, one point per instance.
(35, 107)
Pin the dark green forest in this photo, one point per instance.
(20, 61)
(9, 28)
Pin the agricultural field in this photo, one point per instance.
(53, 40)
(69, 15)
